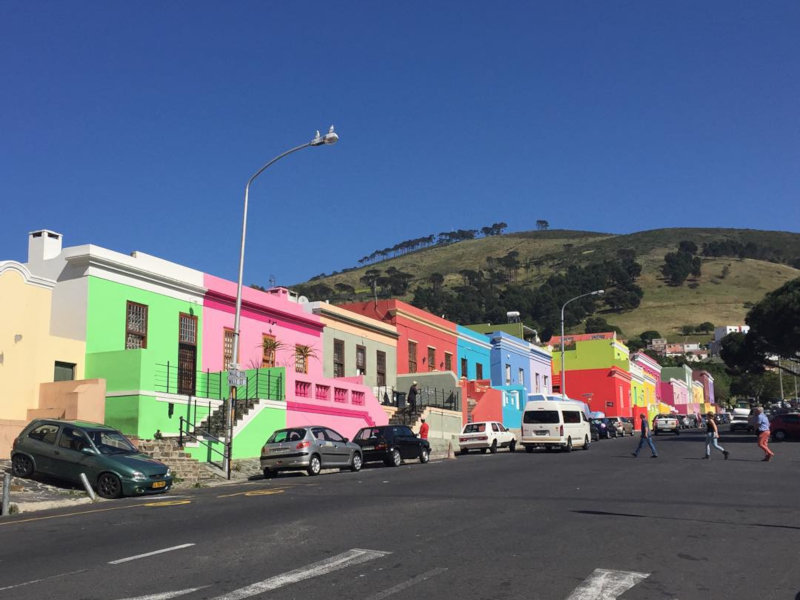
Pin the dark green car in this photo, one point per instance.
(111, 463)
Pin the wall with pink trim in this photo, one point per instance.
(263, 313)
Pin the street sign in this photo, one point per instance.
(236, 377)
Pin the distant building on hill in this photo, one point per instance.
(721, 332)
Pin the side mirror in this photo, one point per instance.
(346, 440)
(87, 450)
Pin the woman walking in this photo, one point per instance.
(712, 435)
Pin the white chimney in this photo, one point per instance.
(43, 245)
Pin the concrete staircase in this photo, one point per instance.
(185, 469)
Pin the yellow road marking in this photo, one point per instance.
(168, 503)
(266, 492)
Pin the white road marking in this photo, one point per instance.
(604, 584)
(11, 587)
(406, 584)
(167, 595)
(122, 560)
(334, 563)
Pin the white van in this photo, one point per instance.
(555, 424)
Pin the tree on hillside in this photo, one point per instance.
(649, 335)
(774, 332)
(542, 225)
(600, 325)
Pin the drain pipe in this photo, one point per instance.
(6, 486)
(87, 485)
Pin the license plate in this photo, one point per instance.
(365, 448)
(159, 484)
(541, 433)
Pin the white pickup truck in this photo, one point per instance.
(666, 424)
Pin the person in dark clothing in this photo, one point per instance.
(412, 398)
(712, 435)
(645, 427)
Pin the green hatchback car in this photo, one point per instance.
(66, 449)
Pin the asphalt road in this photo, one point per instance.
(580, 526)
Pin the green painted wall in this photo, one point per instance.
(137, 371)
(106, 314)
(591, 354)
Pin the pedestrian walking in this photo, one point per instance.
(412, 398)
(712, 435)
(646, 438)
(423, 430)
(762, 427)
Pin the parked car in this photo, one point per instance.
(67, 449)
(311, 448)
(741, 423)
(666, 424)
(622, 425)
(783, 426)
(594, 432)
(391, 444)
(604, 429)
(486, 435)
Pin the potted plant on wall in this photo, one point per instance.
(303, 353)
(270, 346)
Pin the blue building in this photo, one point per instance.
(474, 354)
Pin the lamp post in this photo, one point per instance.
(563, 373)
(318, 140)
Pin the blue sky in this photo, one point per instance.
(136, 125)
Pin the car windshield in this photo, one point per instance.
(111, 442)
(540, 416)
(474, 428)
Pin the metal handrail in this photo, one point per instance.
(192, 432)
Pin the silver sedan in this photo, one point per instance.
(310, 448)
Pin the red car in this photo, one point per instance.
(785, 426)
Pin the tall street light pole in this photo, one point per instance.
(319, 140)
(563, 373)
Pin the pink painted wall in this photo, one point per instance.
(263, 313)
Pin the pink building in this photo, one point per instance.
(675, 393)
(276, 332)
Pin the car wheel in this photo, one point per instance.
(109, 486)
(395, 460)
(779, 435)
(512, 447)
(314, 465)
(355, 465)
(483, 450)
(464, 451)
(568, 447)
(586, 442)
(529, 449)
(268, 474)
(493, 449)
(21, 466)
(424, 456)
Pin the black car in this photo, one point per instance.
(594, 431)
(605, 428)
(392, 444)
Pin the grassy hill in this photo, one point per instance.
(721, 295)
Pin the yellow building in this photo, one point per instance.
(32, 358)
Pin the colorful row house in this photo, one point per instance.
(597, 371)
(159, 337)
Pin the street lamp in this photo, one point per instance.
(563, 373)
(318, 140)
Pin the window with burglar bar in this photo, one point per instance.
(135, 326)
